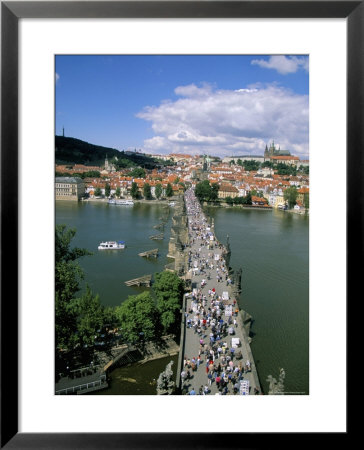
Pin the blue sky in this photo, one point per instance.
(219, 104)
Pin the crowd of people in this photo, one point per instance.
(211, 317)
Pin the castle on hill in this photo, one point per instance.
(273, 151)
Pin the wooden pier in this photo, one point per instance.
(157, 237)
(159, 226)
(145, 280)
(150, 253)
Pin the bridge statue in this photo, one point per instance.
(165, 383)
(276, 387)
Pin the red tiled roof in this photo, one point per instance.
(285, 158)
(303, 190)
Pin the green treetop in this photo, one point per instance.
(147, 191)
(158, 190)
(169, 190)
(206, 192)
(90, 317)
(138, 317)
(290, 195)
(98, 192)
(134, 191)
(68, 275)
(168, 289)
(138, 172)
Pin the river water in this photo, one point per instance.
(106, 271)
(270, 246)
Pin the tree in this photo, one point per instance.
(206, 192)
(68, 275)
(138, 172)
(134, 191)
(90, 317)
(158, 190)
(229, 200)
(65, 321)
(304, 169)
(118, 192)
(138, 317)
(98, 192)
(306, 201)
(169, 190)
(214, 192)
(203, 190)
(251, 165)
(285, 169)
(89, 174)
(168, 283)
(107, 190)
(63, 239)
(147, 191)
(168, 289)
(110, 318)
(248, 199)
(290, 195)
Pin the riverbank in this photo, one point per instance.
(142, 201)
(253, 207)
(227, 205)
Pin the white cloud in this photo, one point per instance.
(246, 90)
(283, 64)
(227, 122)
(57, 77)
(192, 90)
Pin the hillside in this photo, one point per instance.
(74, 151)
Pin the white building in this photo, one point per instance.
(257, 158)
(69, 188)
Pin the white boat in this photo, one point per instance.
(111, 245)
(121, 202)
(171, 203)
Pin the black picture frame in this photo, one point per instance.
(11, 12)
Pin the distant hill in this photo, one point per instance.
(74, 151)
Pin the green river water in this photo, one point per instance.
(270, 246)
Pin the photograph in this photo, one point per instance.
(180, 188)
(182, 206)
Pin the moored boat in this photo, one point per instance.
(121, 202)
